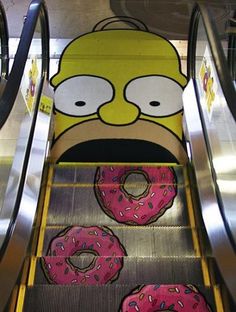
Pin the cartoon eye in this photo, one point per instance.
(155, 95)
(82, 95)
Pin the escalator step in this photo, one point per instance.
(85, 174)
(162, 241)
(73, 199)
(48, 298)
(79, 205)
(144, 270)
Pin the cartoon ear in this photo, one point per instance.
(133, 22)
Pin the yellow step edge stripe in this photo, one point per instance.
(45, 213)
(32, 270)
(72, 164)
(20, 300)
(205, 272)
(218, 298)
(84, 185)
(196, 244)
(192, 222)
(32, 266)
(33, 260)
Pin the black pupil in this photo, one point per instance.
(154, 103)
(80, 103)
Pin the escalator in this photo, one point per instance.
(80, 184)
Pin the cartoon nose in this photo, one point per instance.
(119, 112)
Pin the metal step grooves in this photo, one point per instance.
(148, 270)
(100, 299)
(166, 251)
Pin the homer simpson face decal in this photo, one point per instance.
(118, 98)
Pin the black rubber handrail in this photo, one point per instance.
(232, 47)
(4, 35)
(37, 9)
(220, 62)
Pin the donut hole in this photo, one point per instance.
(83, 260)
(136, 184)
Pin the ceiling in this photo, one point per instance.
(68, 19)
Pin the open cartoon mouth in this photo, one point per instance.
(117, 150)
(143, 141)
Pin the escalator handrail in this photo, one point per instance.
(202, 10)
(4, 34)
(232, 48)
(37, 9)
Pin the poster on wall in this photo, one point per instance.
(208, 83)
(29, 82)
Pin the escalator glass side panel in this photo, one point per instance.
(15, 132)
(14, 80)
(226, 28)
(232, 48)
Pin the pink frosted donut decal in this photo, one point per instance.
(100, 242)
(155, 298)
(114, 195)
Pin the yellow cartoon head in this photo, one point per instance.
(119, 85)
